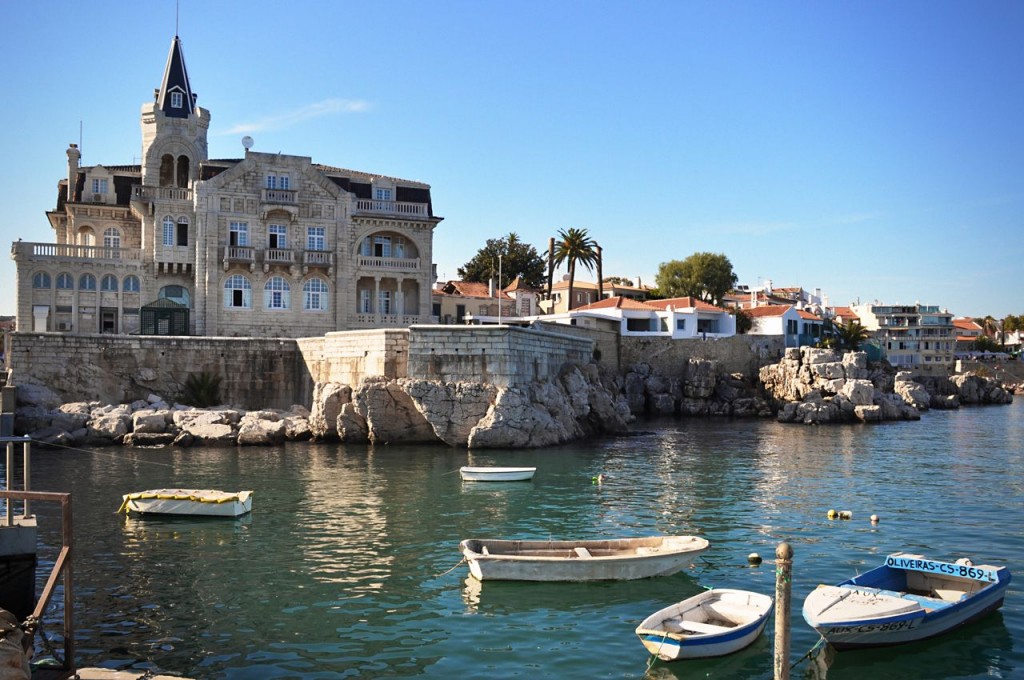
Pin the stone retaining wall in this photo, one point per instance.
(503, 356)
(744, 354)
(114, 369)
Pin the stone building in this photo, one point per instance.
(269, 245)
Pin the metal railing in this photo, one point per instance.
(62, 565)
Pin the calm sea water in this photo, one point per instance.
(345, 567)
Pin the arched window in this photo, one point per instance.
(276, 293)
(87, 282)
(183, 171)
(65, 282)
(237, 292)
(315, 295)
(109, 283)
(41, 280)
(167, 170)
(111, 238)
(168, 231)
(177, 294)
(131, 284)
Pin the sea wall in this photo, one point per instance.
(116, 369)
(744, 354)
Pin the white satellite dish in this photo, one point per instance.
(247, 142)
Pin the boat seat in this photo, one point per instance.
(724, 610)
(485, 551)
(677, 626)
(949, 595)
(582, 552)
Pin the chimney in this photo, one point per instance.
(74, 156)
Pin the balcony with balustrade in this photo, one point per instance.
(23, 251)
(388, 264)
(367, 206)
(148, 194)
(235, 255)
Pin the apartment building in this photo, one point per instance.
(912, 336)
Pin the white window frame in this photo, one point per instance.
(237, 283)
(385, 302)
(316, 238)
(382, 194)
(99, 185)
(65, 281)
(111, 237)
(131, 284)
(364, 301)
(277, 236)
(108, 283)
(177, 100)
(315, 295)
(41, 281)
(381, 246)
(276, 293)
(86, 282)
(241, 231)
(168, 231)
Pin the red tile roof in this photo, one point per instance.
(768, 310)
(616, 302)
(687, 302)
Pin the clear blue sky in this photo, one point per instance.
(874, 150)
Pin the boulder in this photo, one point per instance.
(37, 395)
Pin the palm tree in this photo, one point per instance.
(851, 334)
(574, 246)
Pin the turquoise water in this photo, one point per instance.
(348, 565)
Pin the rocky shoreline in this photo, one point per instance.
(810, 386)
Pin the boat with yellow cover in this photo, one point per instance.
(198, 502)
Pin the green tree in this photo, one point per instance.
(574, 246)
(851, 335)
(618, 281)
(705, 276)
(743, 321)
(986, 344)
(517, 259)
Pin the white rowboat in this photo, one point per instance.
(198, 502)
(497, 474)
(908, 598)
(598, 560)
(713, 623)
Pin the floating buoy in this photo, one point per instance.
(845, 514)
(965, 561)
(832, 514)
(874, 519)
(754, 559)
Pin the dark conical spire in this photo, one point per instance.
(175, 97)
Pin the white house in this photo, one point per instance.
(676, 318)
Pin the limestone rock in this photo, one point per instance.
(261, 428)
(391, 414)
(328, 398)
(451, 409)
(37, 395)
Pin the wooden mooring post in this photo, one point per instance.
(783, 588)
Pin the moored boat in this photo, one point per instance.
(496, 474)
(198, 502)
(583, 560)
(714, 623)
(908, 598)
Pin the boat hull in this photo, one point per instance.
(497, 474)
(901, 617)
(189, 502)
(705, 643)
(607, 560)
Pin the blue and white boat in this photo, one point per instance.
(714, 623)
(908, 598)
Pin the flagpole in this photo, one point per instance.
(499, 289)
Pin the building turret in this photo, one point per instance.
(174, 128)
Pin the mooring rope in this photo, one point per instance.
(452, 569)
(809, 653)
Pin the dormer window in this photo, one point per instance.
(99, 186)
(382, 194)
(177, 100)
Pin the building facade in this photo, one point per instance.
(912, 336)
(269, 245)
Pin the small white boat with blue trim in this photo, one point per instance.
(198, 502)
(908, 598)
(714, 623)
(496, 474)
